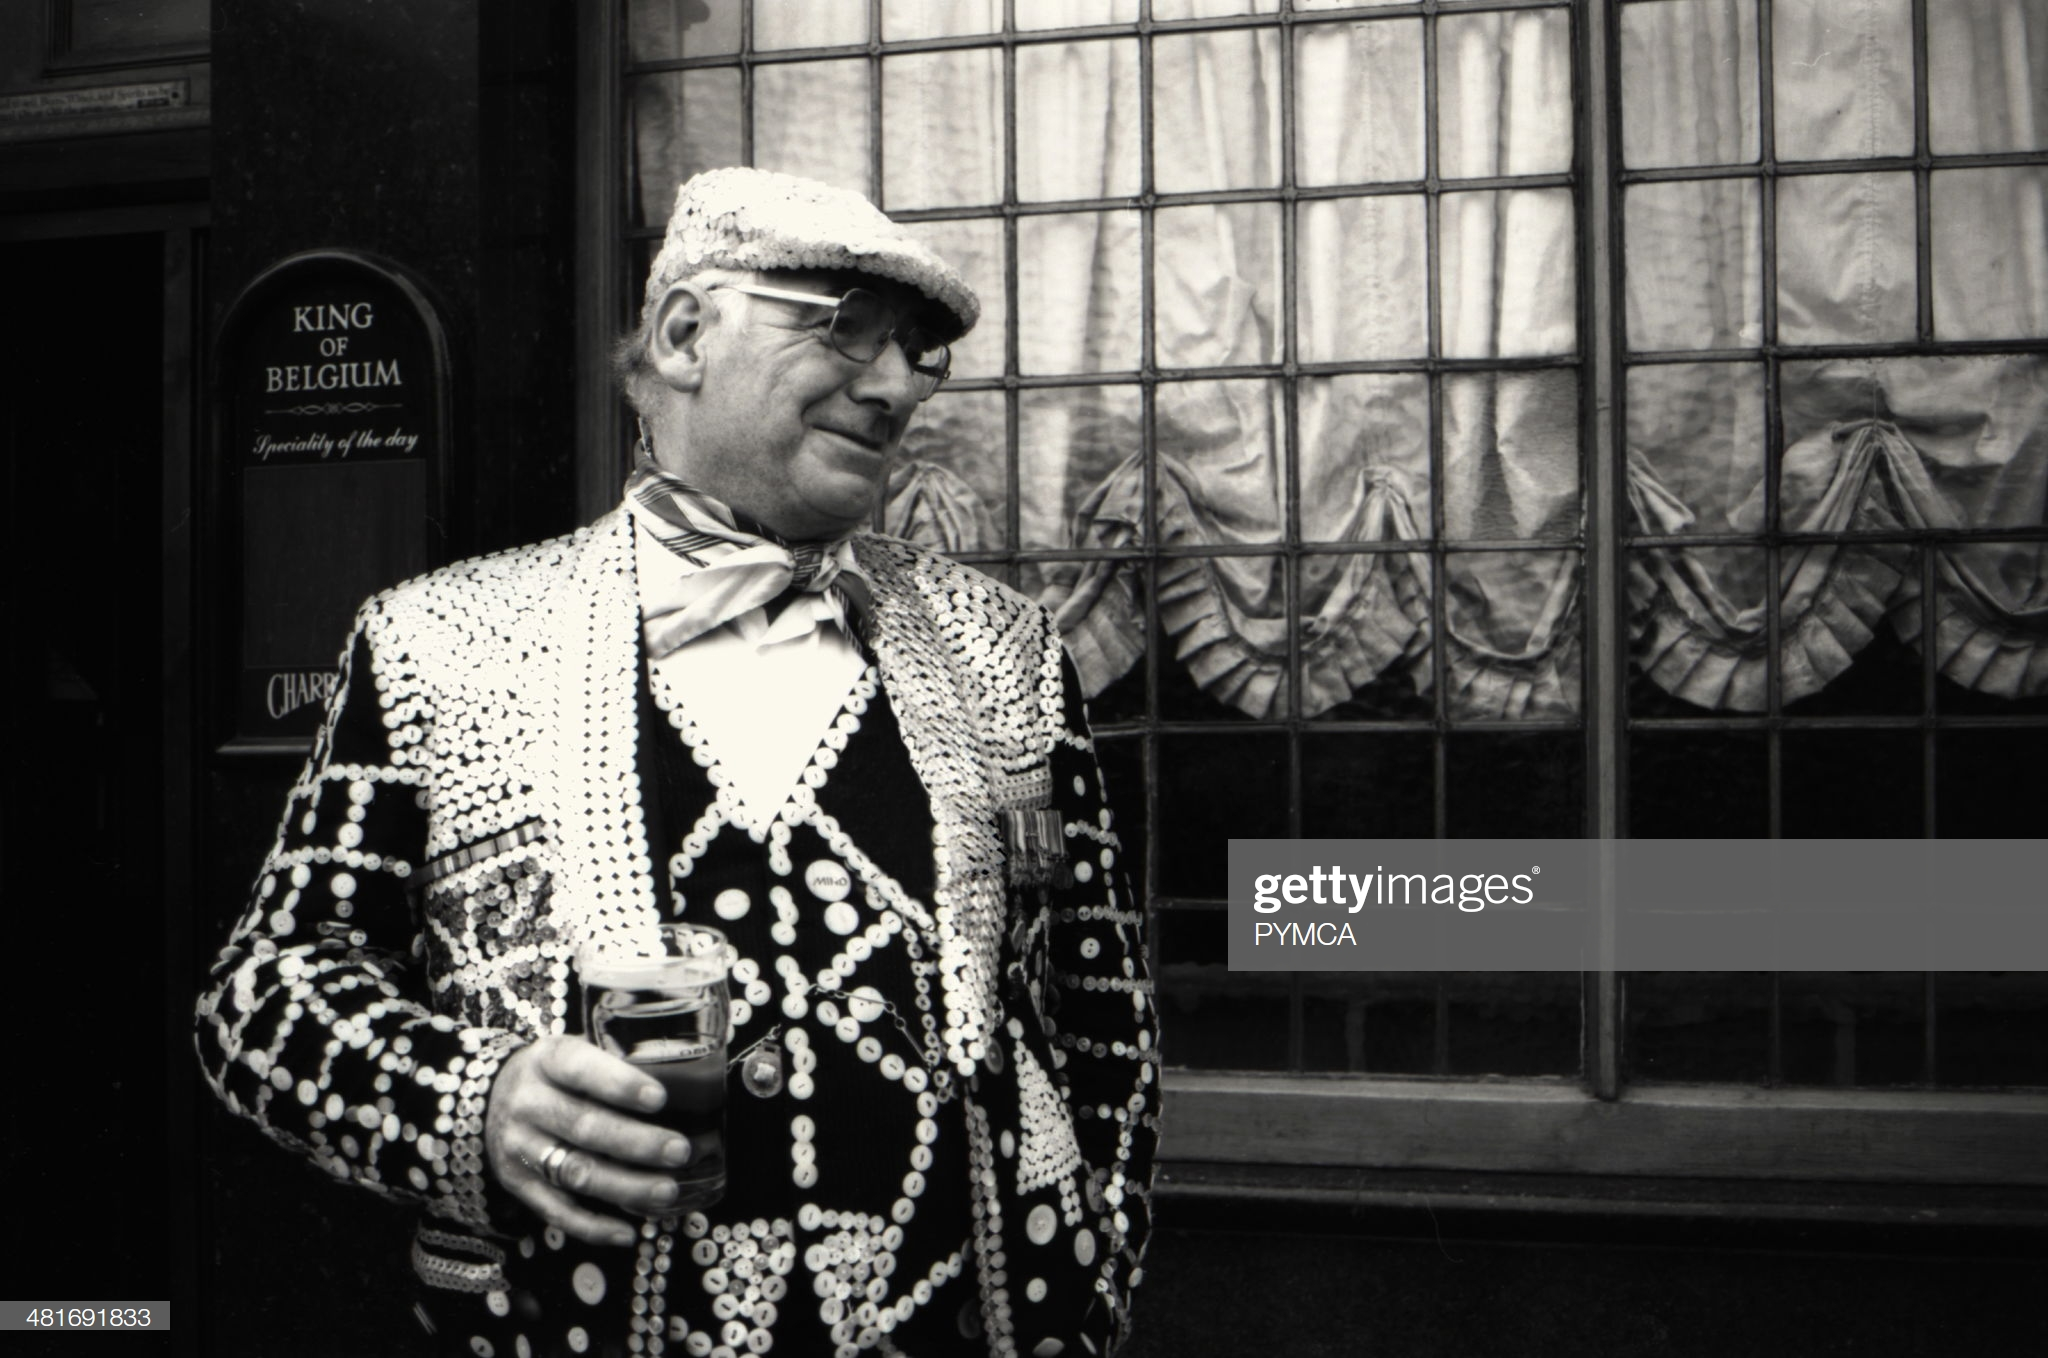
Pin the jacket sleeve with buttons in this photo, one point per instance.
(316, 1023)
(1099, 1014)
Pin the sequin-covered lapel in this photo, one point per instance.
(590, 784)
(962, 659)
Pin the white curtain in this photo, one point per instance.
(1869, 444)
(1919, 442)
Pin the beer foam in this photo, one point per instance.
(653, 973)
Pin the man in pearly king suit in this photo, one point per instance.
(723, 702)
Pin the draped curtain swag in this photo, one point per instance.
(1871, 444)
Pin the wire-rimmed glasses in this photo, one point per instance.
(859, 329)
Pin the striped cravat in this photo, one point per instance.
(729, 570)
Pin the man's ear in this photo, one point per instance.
(676, 344)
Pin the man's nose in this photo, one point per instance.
(888, 381)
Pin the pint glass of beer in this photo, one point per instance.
(667, 1012)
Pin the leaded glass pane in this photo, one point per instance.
(949, 485)
(1509, 270)
(1990, 230)
(1077, 292)
(1221, 479)
(942, 129)
(1842, 78)
(1364, 458)
(1359, 259)
(1215, 110)
(1216, 285)
(1694, 275)
(1080, 474)
(662, 30)
(1043, 14)
(1689, 83)
(1846, 269)
(1358, 102)
(1077, 120)
(780, 24)
(1504, 93)
(905, 19)
(1511, 455)
(1696, 447)
(811, 119)
(1987, 75)
(683, 122)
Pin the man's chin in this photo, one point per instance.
(837, 500)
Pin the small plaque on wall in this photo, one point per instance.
(331, 384)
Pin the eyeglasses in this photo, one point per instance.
(859, 329)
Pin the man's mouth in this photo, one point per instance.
(872, 440)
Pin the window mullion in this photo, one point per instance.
(1600, 213)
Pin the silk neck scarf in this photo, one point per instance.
(727, 567)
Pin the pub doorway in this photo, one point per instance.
(96, 438)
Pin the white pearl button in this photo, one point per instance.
(827, 880)
(732, 903)
(588, 1280)
(1041, 1223)
(865, 1004)
(841, 918)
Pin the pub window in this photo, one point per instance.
(1516, 418)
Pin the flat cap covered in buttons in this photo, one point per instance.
(736, 217)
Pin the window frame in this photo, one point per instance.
(1591, 1125)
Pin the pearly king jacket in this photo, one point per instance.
(472, 811)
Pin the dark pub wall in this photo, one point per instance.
(439, 137)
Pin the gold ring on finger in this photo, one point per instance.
(551, 1164)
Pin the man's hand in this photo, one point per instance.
(562, 1091)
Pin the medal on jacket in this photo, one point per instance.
(1037, 845)
(761, 1069)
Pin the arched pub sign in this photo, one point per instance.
(332, 427)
